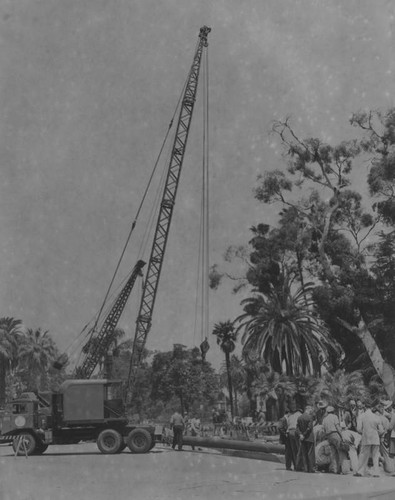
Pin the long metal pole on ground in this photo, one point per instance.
(231, 444)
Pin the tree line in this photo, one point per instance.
(26, 358)
(319, 284)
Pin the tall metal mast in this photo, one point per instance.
(144, 319)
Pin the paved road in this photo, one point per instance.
(79, 472)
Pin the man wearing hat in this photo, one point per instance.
(294, 414)
(371, 428)
(352, 439)
(388, 462)
(333, 435)
(284, 439)
(320, 411)
(306, 455)
(350, 416)
(391, 415)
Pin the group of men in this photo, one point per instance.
(322, 439)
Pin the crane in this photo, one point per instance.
(144, 318)
(99, 343)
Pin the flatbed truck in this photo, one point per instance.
(81, 410)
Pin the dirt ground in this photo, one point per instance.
(80, 472)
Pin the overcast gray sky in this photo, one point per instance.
(87, 89)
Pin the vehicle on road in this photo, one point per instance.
(82, 410)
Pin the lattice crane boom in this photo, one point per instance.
(144, 319)
(103, 339)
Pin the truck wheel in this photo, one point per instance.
(25, 443)
(139, 441)
(109, 441)
(40, 448)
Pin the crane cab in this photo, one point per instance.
(81, 402)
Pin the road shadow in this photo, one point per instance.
(76, 453)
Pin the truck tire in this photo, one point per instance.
(27, 444)
(40, 447)
(109, 441)
(139, 441)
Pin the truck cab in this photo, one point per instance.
(21, 413)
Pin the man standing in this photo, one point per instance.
(177, 423)
(333, 435)
(388, 462)
(194, 426)
(216, 424)
(350, 416)
(352, 439)
(370, 426)
(292, 435)
(320, 411)
(306, 457)
(284, 439)
(360, 410)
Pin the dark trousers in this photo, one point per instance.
(288, 454)
(294, 445)
(306, 457)
(193, 433)
(177, 436)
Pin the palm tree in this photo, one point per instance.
(283, 328)
(339, 387)
(10, 330)
(226, 337)
(238, 375)
(37, 352)
(271, 385)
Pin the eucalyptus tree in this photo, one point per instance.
(10, 335)
(340, 228)
(226, 339)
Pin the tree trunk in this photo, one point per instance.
(236, 407)
(182, 403)
(384, 370)
(230, 389)
(2, 382)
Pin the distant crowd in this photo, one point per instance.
(340, 440)
(318, 438)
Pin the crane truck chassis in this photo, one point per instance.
(82, 410)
